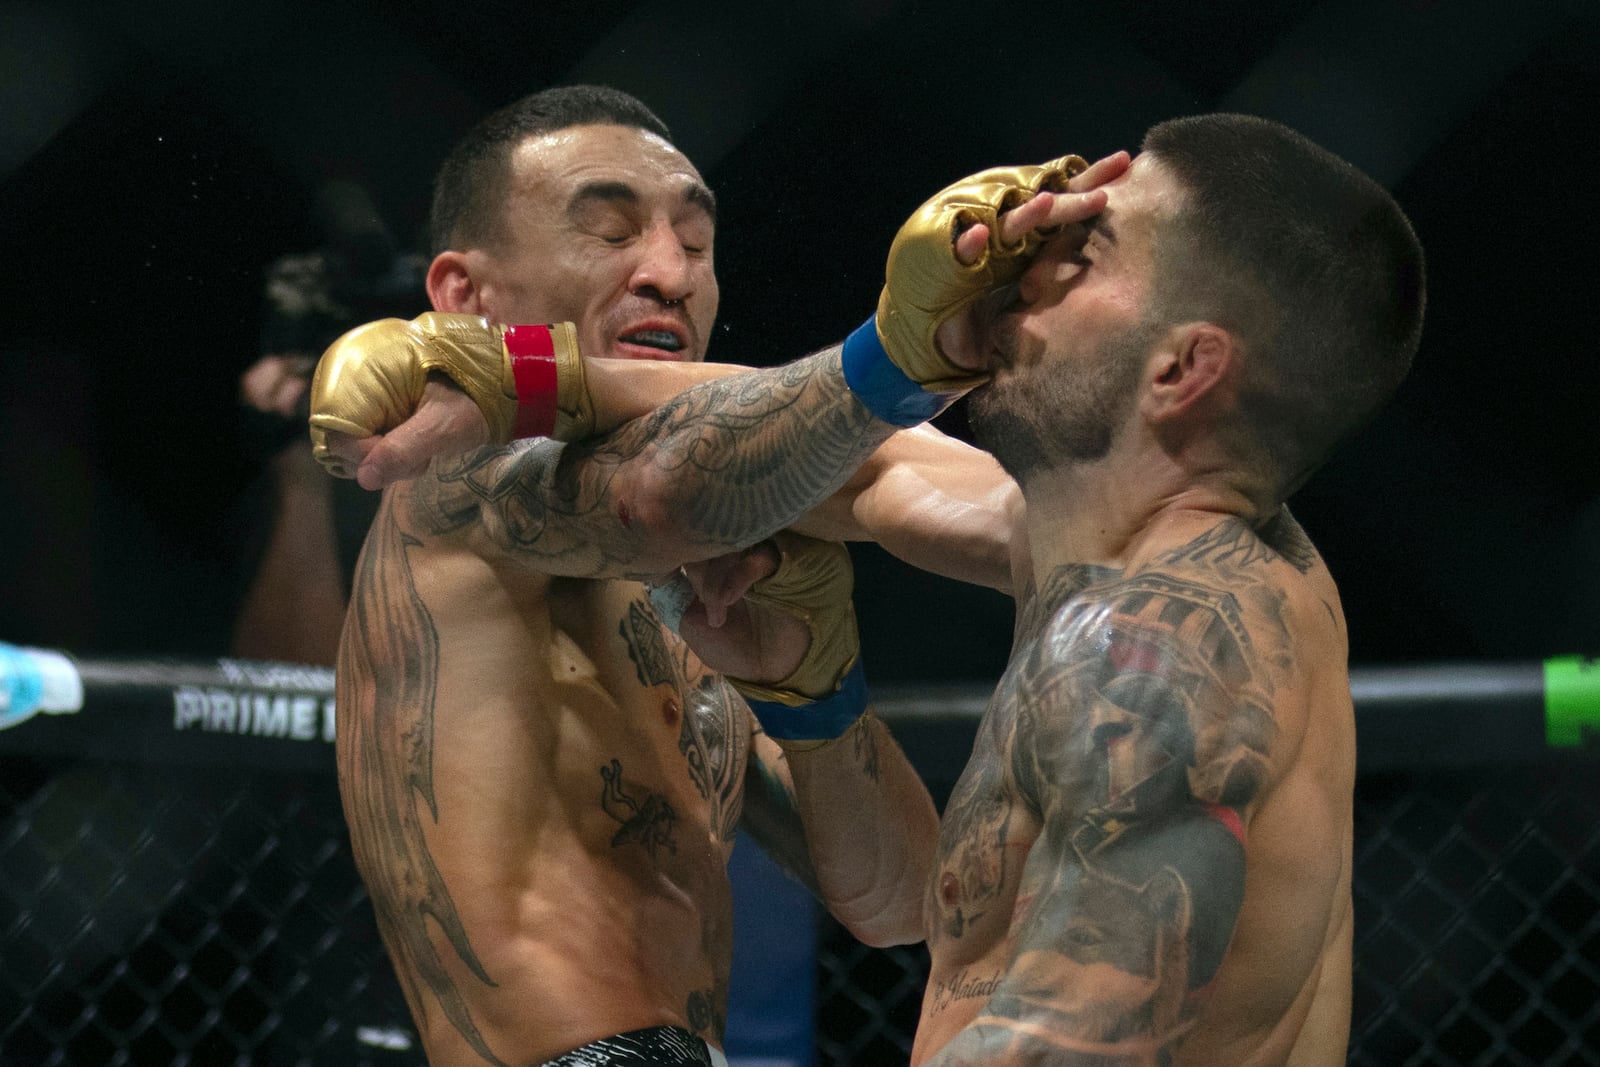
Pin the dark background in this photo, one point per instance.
(155, 157)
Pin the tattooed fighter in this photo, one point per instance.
(541, 781)
(1147, 859)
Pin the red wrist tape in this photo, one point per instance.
(532, 353)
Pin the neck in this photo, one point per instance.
(1112, 512)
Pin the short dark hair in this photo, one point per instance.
(1311, 262)
(475, 177)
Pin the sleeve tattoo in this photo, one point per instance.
(728, 462)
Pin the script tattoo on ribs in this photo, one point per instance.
(385, 755)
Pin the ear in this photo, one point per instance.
(1197, 358)
(451, 286)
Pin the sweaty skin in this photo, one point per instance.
(542, 792)
(1159, 723)
(1148, 858)
(541, 781)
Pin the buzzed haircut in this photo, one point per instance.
(1309, 261)
(475, 178)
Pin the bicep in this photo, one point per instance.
(1127, 924)
(933, 501)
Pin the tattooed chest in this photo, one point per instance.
(709, 726)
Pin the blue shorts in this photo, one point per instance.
(662, 1046)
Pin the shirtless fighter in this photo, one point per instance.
(541, 781)
(1148, 858)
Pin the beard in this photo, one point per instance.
(1058, 412)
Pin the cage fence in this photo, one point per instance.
(190, 900)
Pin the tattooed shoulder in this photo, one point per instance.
(1158, 667)
(450, 497)
(1040, 601)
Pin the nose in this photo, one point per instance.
(1057, 261)
(1031, 285)
(663, 271)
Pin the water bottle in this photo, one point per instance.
(34, 680)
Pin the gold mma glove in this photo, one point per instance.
(527, 380)
(895, 355)
(826, 694)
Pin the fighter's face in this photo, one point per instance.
(1070, 350)
(611, 228)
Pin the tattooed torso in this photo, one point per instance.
(541, 784)
(1091, 902)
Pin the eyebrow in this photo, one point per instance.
(617, 192)
(1098, 224)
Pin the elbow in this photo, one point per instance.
(884, 924)
(888, 911)
(652, 515)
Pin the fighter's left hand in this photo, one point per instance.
(791, 633)
(733, 635)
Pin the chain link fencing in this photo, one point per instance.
(1477, 944)
(201, 915)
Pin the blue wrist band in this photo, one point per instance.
(820, 720)
(884, 387)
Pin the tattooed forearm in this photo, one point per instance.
(385, 754)
(720, 466)
(753, 452)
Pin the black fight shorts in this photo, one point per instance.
(661, 1046)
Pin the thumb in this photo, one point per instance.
(446, 423)
(397, 455)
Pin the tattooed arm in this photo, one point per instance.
(851, 810)
(1145, 733)
(726, 463)
(934, 501)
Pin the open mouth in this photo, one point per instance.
(660, 340)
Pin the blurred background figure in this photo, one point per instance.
(303, 529)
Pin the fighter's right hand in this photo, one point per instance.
(960, 245)
(525, 380)
(925, 283)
